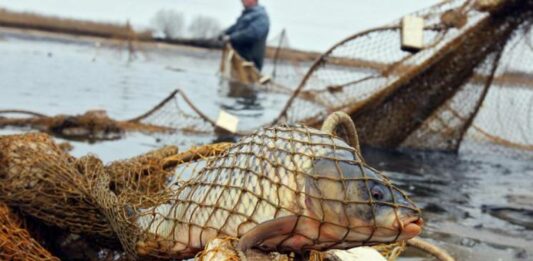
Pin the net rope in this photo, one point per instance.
(16, 242)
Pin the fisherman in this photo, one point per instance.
(248, 35)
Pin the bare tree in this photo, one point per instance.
(204, 27)
(169, 23)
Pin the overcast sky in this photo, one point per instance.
(311, 24)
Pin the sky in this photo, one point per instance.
(310, 24)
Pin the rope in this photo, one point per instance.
(340, 124)
(32, 113)
(425, 246)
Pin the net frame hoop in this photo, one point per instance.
(31, 113)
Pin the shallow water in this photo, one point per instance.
(55, 75)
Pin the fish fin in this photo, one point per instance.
(263, 231)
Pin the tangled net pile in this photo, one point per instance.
(16, 243)
(167, 204)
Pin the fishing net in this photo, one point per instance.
(365, 64)
(310, 184)
(16, 243)
(468, 87)
(142, 178)
(46, 182)
(313, 188)
(505, 119)
(177, 112)
(174, 113)
(463, 84)
(93, 125)
(43, 181)
(286, 66)
(235, 68)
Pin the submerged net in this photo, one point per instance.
(16, 243)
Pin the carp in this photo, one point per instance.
(284, 189)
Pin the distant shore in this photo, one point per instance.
(125, 32)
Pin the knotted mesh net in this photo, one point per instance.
(15, 241)
(285, 189)
(43, 181)
(468, 86)
(281, 189)
(462, 87)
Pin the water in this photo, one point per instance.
(60, 75)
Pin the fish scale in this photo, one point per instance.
(266, 176)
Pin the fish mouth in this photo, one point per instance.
(410, 227)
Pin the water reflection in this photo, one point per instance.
(245, 96)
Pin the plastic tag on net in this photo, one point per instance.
(227, 121)
(412, 33)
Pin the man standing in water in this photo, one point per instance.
(248, 35)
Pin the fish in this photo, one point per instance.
(284, 189)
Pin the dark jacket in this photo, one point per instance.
(248, 35)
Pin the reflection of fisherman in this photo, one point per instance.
(248, 35)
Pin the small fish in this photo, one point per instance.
(285, 189)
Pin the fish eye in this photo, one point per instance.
(377, 192)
